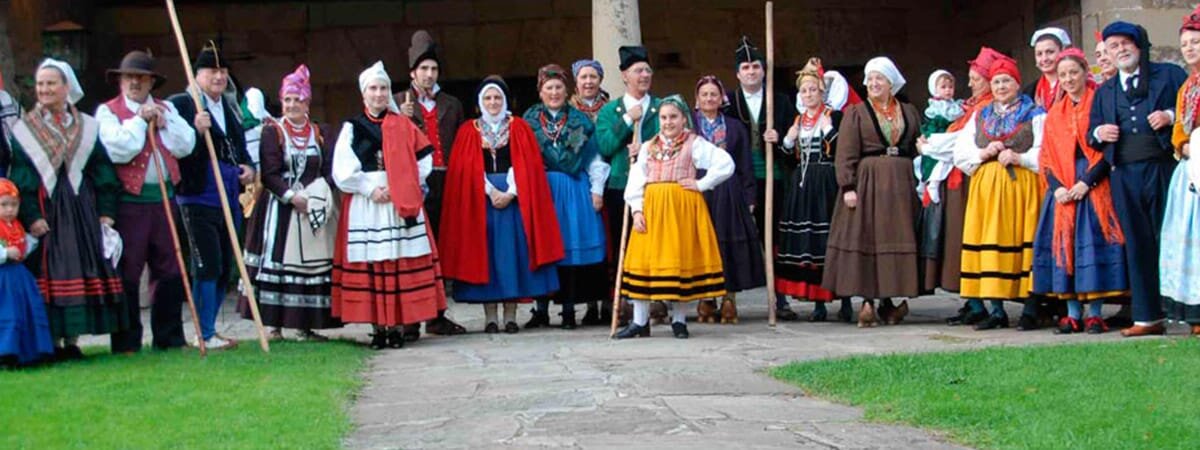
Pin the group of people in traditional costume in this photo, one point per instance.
(1074, 189)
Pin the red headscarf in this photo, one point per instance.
(1065, 130)
(1006, 66)
(1191, 21)
(982, 64)
(463, 240)
(11, 231)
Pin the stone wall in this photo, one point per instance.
(1161, 18)
(687, 38)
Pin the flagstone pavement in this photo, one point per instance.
(550, 388)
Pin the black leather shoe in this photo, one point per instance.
(786, 314)
(537, 320)
(491, 328)
(1027, 323)
(680, 330)
(633, 331)
(819, 315)
(971, 318)
(992, 322)
(395, 339)
(379, 340)
(568, 321)
(511, 328)
(592, 317)
(412, 333)
(846, 312)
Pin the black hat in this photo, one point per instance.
(632, 54)
(422, 48)
(137, 62)
(493, 79)
(746, 52)
(209, 58)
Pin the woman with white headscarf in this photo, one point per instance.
(500, 234)
(385, 264)
(69, 192)
(872, 248)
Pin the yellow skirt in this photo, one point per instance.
(677, 259)
(998, 230)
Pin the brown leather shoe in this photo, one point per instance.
(866, 316)
(706, 311)
(1144, 330)
(1195, 330)
(729, 314)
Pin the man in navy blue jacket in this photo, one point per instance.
(1131, 122)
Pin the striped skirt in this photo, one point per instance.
(388, 293)
(677, 259)
(998, 232)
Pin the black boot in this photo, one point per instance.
(846, 313)
(633, 331)
(538, 318)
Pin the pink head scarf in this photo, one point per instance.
(296, 83)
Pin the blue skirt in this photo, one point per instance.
(581, 225)
(1099, 265)
(1179, 256)
(509, 276)
(24, 328)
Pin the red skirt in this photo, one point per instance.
(387, 293)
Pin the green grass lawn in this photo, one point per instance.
(1143, 394)
(295, 397)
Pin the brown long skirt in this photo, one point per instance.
(873, 248)
(944, 269)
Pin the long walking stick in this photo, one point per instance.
(216, 170)
(616, 307)
(769, 214)
(187, 284)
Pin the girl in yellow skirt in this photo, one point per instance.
(999, 149)
(672, 254)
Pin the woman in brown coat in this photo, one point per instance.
(872, 248)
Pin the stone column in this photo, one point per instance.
(1161, 18)
(614, 23)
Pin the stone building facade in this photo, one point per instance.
(265, 39)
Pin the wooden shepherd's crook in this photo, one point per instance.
(220, 182)
(616, 307)
(769, 214)
(187, 284)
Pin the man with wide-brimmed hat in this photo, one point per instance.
(126, 125)
(438, 115)
(199, 199)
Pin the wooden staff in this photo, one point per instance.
(616, 307)
(187, 284)
(220, 182)
(769, 213)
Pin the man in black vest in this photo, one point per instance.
(1131, 122)
(748, 103)
(198, 197)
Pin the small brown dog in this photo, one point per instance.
(729, 313)
(706, 311)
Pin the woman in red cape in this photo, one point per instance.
(495, 159)
(385, 268)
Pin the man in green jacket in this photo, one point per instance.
(614, 136)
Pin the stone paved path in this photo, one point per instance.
(556, 389)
